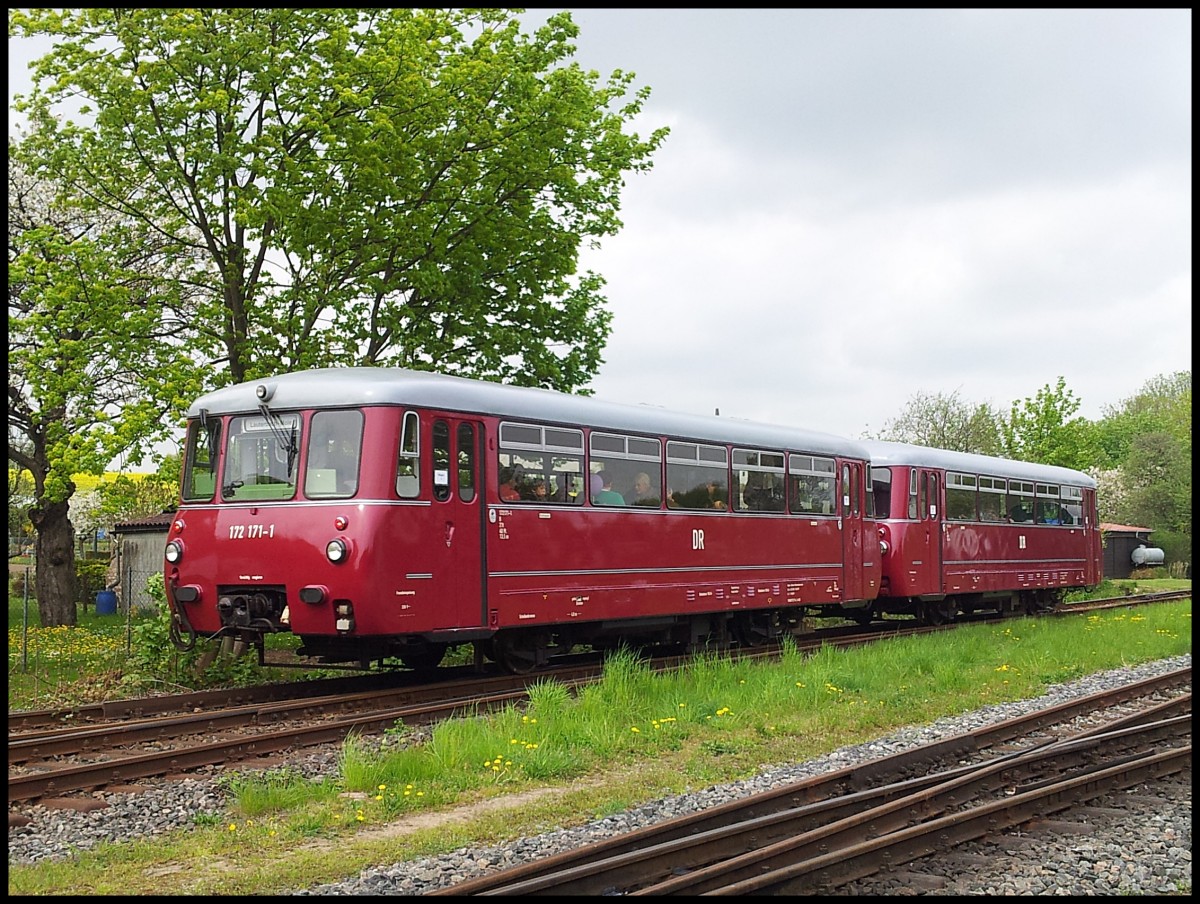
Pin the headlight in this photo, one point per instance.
(174, 551)
(336, 550)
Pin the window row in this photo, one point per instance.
(971, 497)
(549, 465)
(537, 464)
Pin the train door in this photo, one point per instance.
(925, 542)
(852, 530)
(1094, 571)
(457, 549)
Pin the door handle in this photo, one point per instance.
(449, 532)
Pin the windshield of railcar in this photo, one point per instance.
(334, 450)
(260, 457)
(200, 454)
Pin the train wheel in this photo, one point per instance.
(516, 653)
(424, 658)
(863, 617)
(752, 631)
(937, 612)
(1041, 602)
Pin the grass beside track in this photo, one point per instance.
(565, 759)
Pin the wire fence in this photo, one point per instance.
(126, 598)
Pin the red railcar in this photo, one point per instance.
(384, 513)
(966, 532)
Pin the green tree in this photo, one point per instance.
(92, 364)
(1163, 404)
(944, 421)
(1042, 429)
(1147, 443)
(127, 498)
(355, 186)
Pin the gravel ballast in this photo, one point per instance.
(1143, 847)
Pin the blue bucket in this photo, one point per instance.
(106, 602)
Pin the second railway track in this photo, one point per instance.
(80, 757)
(817, 834)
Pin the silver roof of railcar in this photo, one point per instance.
(364, 386)
(886, 453)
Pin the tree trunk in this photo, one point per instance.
(55, 546)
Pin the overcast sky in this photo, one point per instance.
(855, 206)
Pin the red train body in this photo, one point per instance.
(965, 532)
(383, 513)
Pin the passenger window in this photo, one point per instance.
(960, 497)
(991, 498)
(632, 464)
(697, 476)
(1048, 509)
(1020, 501)
(758, 481)
(539, 464)
(1072, 505)
(811, 482)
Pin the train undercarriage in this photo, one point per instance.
(522, 650)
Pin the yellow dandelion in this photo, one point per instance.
(635, 729)
(233, 827)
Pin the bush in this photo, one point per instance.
(90, 577)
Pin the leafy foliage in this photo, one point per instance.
(93, 365)
(128, 497)
(89, 578)
(360, 186)
(155, 661)
(944, 421)
(1042, 429)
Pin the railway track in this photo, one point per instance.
(824, 832)
(127, 741)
